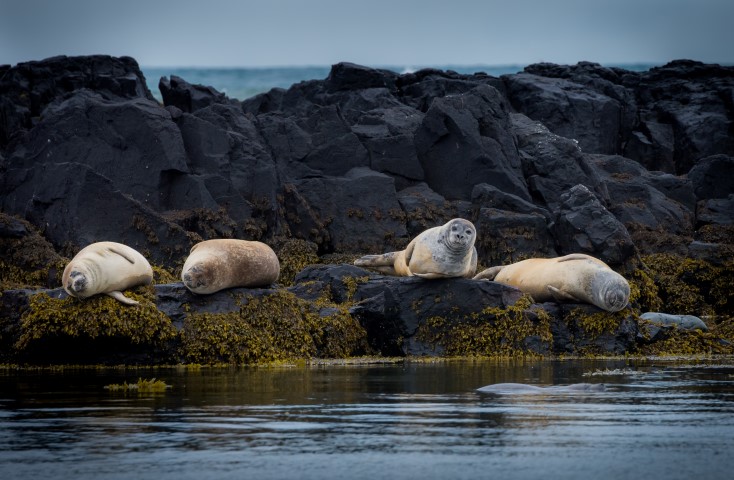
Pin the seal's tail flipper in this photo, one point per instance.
(489, 273)
(117, 295)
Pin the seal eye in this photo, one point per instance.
(468, 232)
(453, 228)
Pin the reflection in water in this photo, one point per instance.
(399, 421)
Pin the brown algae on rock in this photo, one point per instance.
(275, 327)
(492, 332)
(95, 317)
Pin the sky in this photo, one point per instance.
(404, 33)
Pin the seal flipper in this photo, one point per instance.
(573, 256)
(384, 260)
(560, 295)
(116, 251)
(488, 274)
(117, 295)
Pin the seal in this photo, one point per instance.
(106, 267)
(577, 278)
(684, 322)
(527, 389)
(213, 265)
(440, 252)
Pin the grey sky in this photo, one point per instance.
(370, 32)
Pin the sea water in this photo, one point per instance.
(243, 83)
(659, 418)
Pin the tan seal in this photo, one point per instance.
(439, 252)
(214, 265)
(106, 267)
(577, 278)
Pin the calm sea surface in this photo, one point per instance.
(243, 83)
(656, 419)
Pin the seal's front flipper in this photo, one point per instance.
(560, 295)
(117, 295)
(489, 273)
(118, 252)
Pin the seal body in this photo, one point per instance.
(527, 389)
(440, 252)
(576, 278)
(106, 267)
(214, 265)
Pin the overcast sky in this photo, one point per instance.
(401, 33)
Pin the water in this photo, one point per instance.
(656, 419)
(243, 83)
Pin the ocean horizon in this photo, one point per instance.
(242, 83)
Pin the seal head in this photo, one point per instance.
(610, 291)
(460, 236)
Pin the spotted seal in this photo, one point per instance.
(439, 252)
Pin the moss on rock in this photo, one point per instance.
(295, 255)
(691, 287)
(271, 328)
(26, 258)
(492, 332)
(48, 319)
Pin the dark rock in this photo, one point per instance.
(348, 76)
(583, 225)
(179, 93)
(464, 140)
(358, 212)
(489, 196)
(573, 110)
(718, 211)
(424, 208)
(652, 145)
(27, 88)
(505, 237)
(552, 164)
(687, 96)
(594, 331)
(652, 205)
(713, 177)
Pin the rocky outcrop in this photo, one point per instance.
(554, 160)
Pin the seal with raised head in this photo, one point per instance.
(576, 278)
(213, 265)
(106, 267)
(440, 252)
